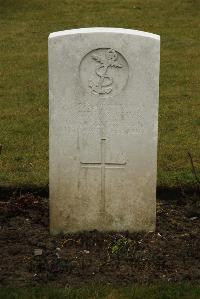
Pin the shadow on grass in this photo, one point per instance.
(163, 193)
(7, 192)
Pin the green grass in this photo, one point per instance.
(25, 26)
(94, 292)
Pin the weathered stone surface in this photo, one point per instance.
(103, 89)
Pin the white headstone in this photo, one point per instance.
(104, 90)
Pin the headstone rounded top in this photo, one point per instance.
(104, 30)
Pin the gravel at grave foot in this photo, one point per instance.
(29, 255)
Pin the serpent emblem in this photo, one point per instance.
(103, 84)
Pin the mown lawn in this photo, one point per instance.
(183, 291)
(25, 26)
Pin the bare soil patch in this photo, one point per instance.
(29, 255)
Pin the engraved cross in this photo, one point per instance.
(103, 165)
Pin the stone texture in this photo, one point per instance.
(103, 90)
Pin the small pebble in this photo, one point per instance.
(193, 218)
(38, 251)
(58, 256)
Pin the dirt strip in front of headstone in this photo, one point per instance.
(30, 255)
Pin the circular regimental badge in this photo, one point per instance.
(104, 72)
